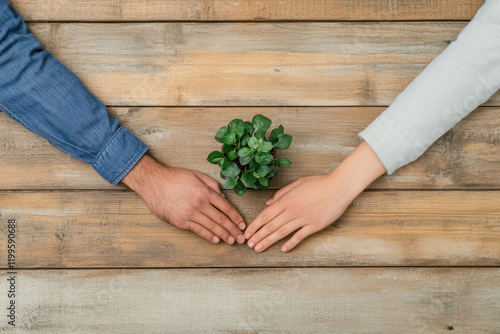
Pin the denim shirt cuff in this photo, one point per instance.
(119, 155)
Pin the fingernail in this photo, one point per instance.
(240, 239)
(230, 240)
(242, 226)
(258, 248)
(284, 249)
(215, 239)
(247, 235)
(251, 244)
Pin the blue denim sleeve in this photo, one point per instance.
(47, 98)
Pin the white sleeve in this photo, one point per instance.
(465, 75)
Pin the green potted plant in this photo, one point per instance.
(247, 158)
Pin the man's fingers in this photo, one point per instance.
(225, 222)
(263, 218)
(228, 209)
(213, 227)
(209, 182)
(203, 232)
(281, 232)
(298, 237)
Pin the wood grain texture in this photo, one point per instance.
(247, 10)
(465, 158)
(115, 229)
(248, 64)
(310, 300)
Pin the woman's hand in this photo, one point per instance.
(308, 205)
(312, 203)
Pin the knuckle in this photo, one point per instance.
(281, 233)
(226, 206)
(234, 230)
(195, 228)
(211, 225)
(297, 208)
(204, 192)
(266, 230)
(215, 184)
(300, 235)
(198, 201)
(222, 219)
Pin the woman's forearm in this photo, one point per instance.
(359, 170)
(463, 76)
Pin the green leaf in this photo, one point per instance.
(231, 183)
(229, 138)
(263, 158)
(248, 180)
(232, 155)
(253, 142)
(231, 171)
(237, 127)
(253, 165)
(266, 147)
(260, 134)
(261, 123)
(220, 134)
(273, 137)
(227, 148)
(248, 128)
(240, 188)
(284, 162)
(264, 182)
(245, 152)
(223, 163)
(273, 172)
(244, 140)
(283, 142)
(246, 160)
(214, 157)
(263, 170)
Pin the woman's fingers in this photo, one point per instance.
(300, 235)
(262, 219)
(269, 228)
(281, 232)
(280, 193)
(203, 232)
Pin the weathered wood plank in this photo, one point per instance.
(115, 229)
(247, 64)
(217, 10)
(309, 300)
(465, 158)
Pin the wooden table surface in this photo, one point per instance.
(418, 252)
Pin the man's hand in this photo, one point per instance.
(187, 199)
(312, 203)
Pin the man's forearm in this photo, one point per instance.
(47, 98)
(141, 176)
